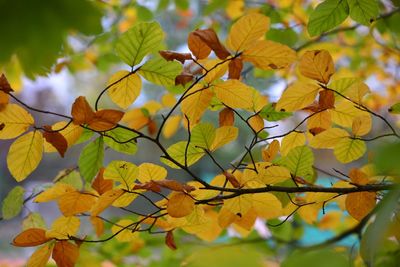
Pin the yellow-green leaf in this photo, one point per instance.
(123, 172)
(246, 31)
(292, 140)
(328, 138)
(150, 171)
(203, 135)
(63, 227)
(300, 161)
(182, 155)
(16, 121)
(273, 174)
(124, 88)
(223, 136)
(234, 93)
(267, 205)
(348, 150)
(160, 71)
(25, 155)
(297, 96)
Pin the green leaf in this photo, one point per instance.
(72, 178)
(85, 136)
(13, 203)
(327, 15)
(270, 114)
(300, 161)
(123, 172)
(320, 258)
(177, 152)
(364, 11)
(374, 236)
(121, 140)
(203, 135)
(283, 36)
(395, 109)
(139, 41)
(33, 220)
(386, 159)
(160, 71)
(91, 159)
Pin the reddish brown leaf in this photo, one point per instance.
(169, 240)
(232, 179)
(100, 184)
(198, 48)
(81, 111)
(235, 68)
(210, 38)
(183, 78)
(55, 139)
(150, 186)
(105, 119)
(5, 85)
(65, 254)
(171, 55)
(175, 185)
(317, 130)
(226, 117)
(152, 127)
(31, 237)
(326, 99)
(2, 125)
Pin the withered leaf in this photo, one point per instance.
(5, 85)
(210, 38)
(183, 78)
(105, 119)
(171, 55)
(169, 240)
(81, 111)
(326, 99)
(65, 254)
(100, 184)
(226, 117)
(55, 139)
(235, 68)
(198, 48)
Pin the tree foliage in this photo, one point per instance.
(206, 102)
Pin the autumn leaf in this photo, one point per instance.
(40, 257)
(360, 204)
(171, 55)
(183, 78)
(198, 48)
(81, 111)
(105, 119)
(226, 117)
(180, 205)
(100, 184)
(15, 121)
(317, 65)
(210, 38)
(297, 96)
(235, 68)
(124, 88)
(55, 139)
(64, 227)
(65, 254)
(105, 201)
(5, 85)
(75, 202)
(31, 237)
(169, 240)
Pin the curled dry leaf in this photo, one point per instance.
(171, 55)
(198, 48)
(169, 240)
(183, 78)
(65, 254)
(56, 139)
(326, 99)
(235, 68)
(105, 119)
(210, 38)
(81, 111)
(5, 85)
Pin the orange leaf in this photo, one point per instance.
(180, 205)
(360, 204)
(232, 179)
(105, 119)
(317, 65)
(269, 153)
(75, 202)
(100, 184)
(81, 111)
(326, 99)
(257, 123)
(210, 38)
(169, 240)
(55, 139)
(175, 185)
(152, 127)
(171, 55)
(105, 200)
(31, 237)
(183, 78)
(65, 254)
(226, 117)
(5, 85)
(235, 68)
(98, 225)
(4, 100)
(198, 48)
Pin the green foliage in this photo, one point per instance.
(91, 159)
(318, 257)
(364, 11)
(12, 204)
(121, 140)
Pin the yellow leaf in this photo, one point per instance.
(297, 96)
(168, 100)
(135, 118)
(149, 171)
(292, 140)
(63, 227)
(105, 200)
(152, 107)
(71, 133)
(328, 138)
(268, 55)
(203, 224)
(362, 125)
(246, 31)
(180, 205)
(317, 65)
(54, 192)
(360, 204)
(235, 94)
(196, 101)
(239, 205)
(353, 88)
(273, 174)
(123, 229)
(171, 126)
(75, 202)
(348, 150)
(235, 9)
(25, 155)
(223, 136)
(40, 257)
(124, 89)
(125, 200)
(123, 172)
(345, 112)
(16, 121)
(320, 120)
(266, 205)
(98, 225)
(216, 68)
(257, 123)
(269, 153)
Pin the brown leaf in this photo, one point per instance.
(210, 38)
(198, 48)
(150, 186)
(31, 237)
(152, 127)
(175, 185)
(326, 99)
(2, 125)
(100, 184)
(235, 68)
(171, 55)
(105, 119)
(316, 130)
(55, 139)
(183, 78)
(169, 240)
(65, 254)
(232, 179)
(226, 117)
(5, 85)
(81, 111)
(317, 65)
